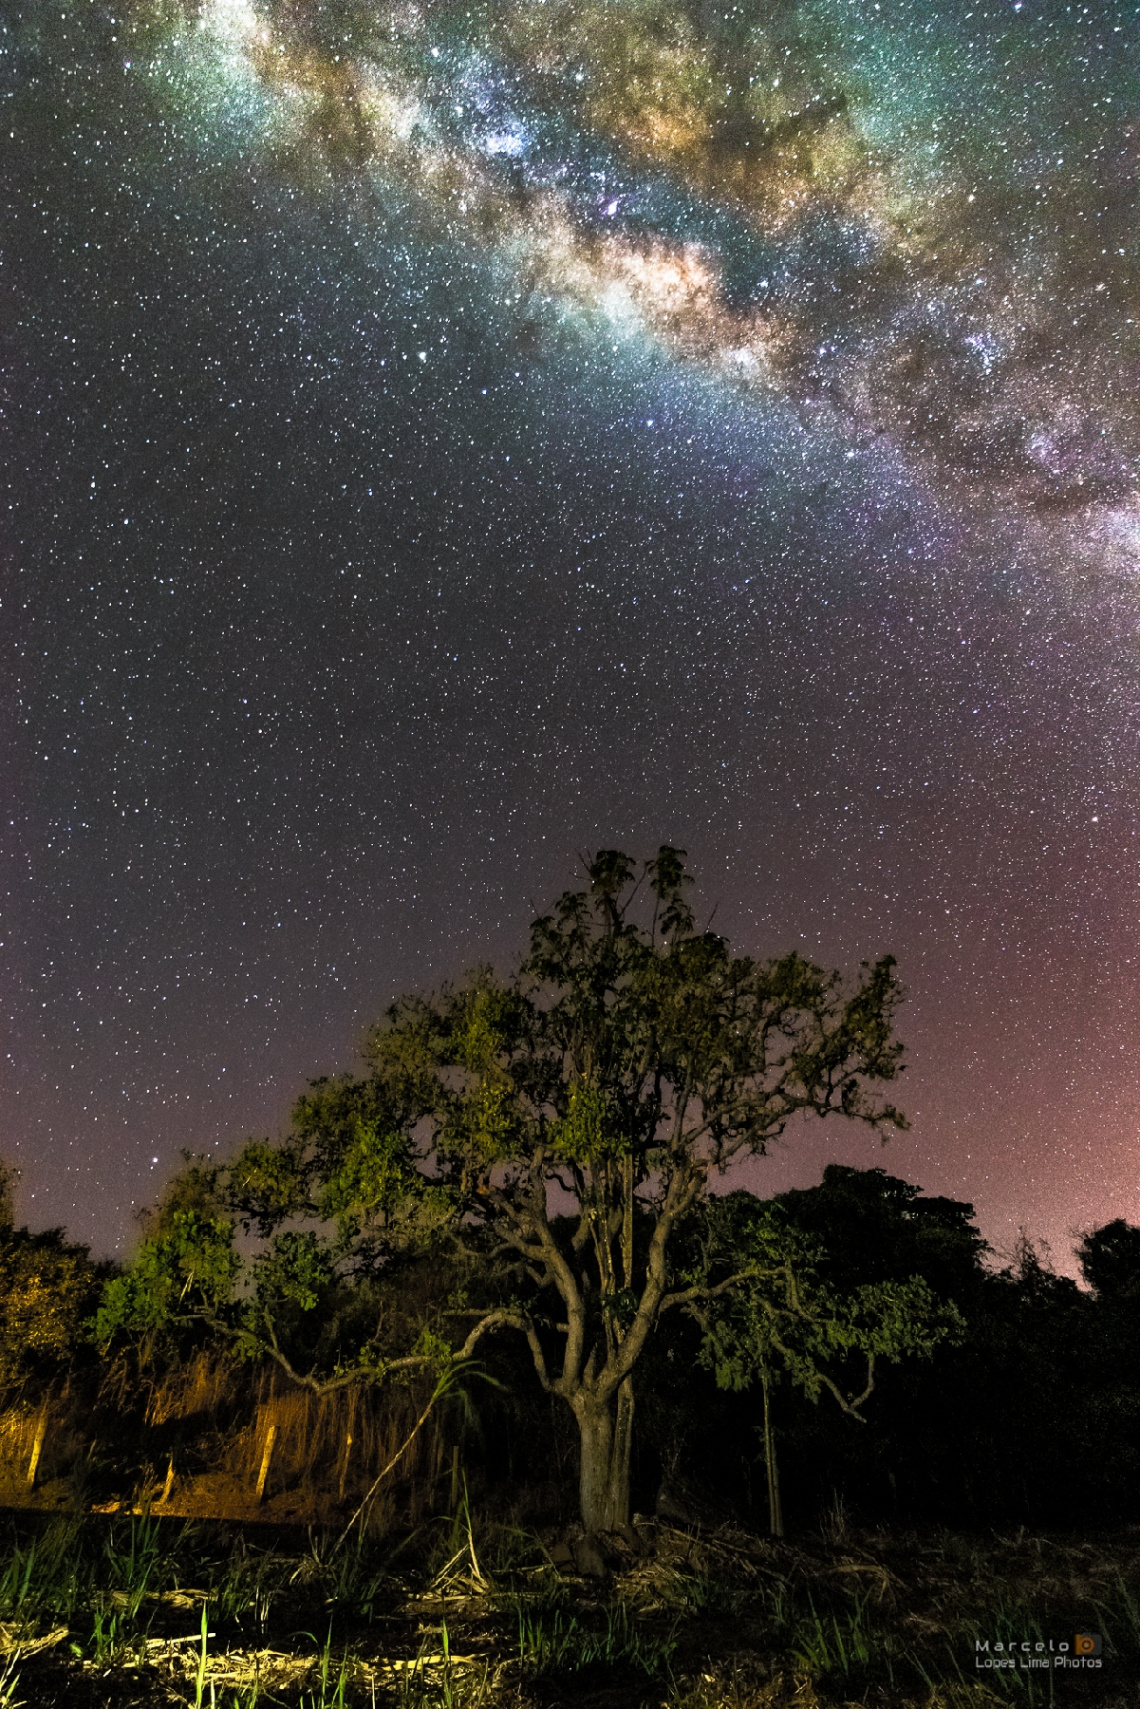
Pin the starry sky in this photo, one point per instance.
(439, 438)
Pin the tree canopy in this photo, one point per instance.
(48, 1289)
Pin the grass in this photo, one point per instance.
(554, 1640)
(1118, 1618)
(200, 1670)
(839, 1647)
(464, 1615)
(329, 1690)
(436, 1681)
(40, 1574)
(9, 1684)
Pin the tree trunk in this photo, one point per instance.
(620, 1458)
(605, 1435)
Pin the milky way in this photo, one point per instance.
(441, 439)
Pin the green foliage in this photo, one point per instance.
(371, 1180)
(590, 1132)
(48, 1289)
(312, 1297)
(486, 1121)
(266, 1183)
(184, 1273)
(780, 1315)
(297, 1269)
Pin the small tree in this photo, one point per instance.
(778, 1316)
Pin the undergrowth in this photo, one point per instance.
(553, 1639)
(469, 1615)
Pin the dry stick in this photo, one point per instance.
(396, 1457)
(37, 1447)
(169, 1484)
(270, 1439)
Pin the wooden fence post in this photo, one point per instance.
(263, 1474)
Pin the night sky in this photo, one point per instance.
(439, 439)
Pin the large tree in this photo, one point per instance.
(553, 1130)
(576, 1112)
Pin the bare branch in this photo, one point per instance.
(852, 1406)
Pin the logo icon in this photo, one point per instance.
(1088, 1644)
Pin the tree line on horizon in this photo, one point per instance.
(507, 1225)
